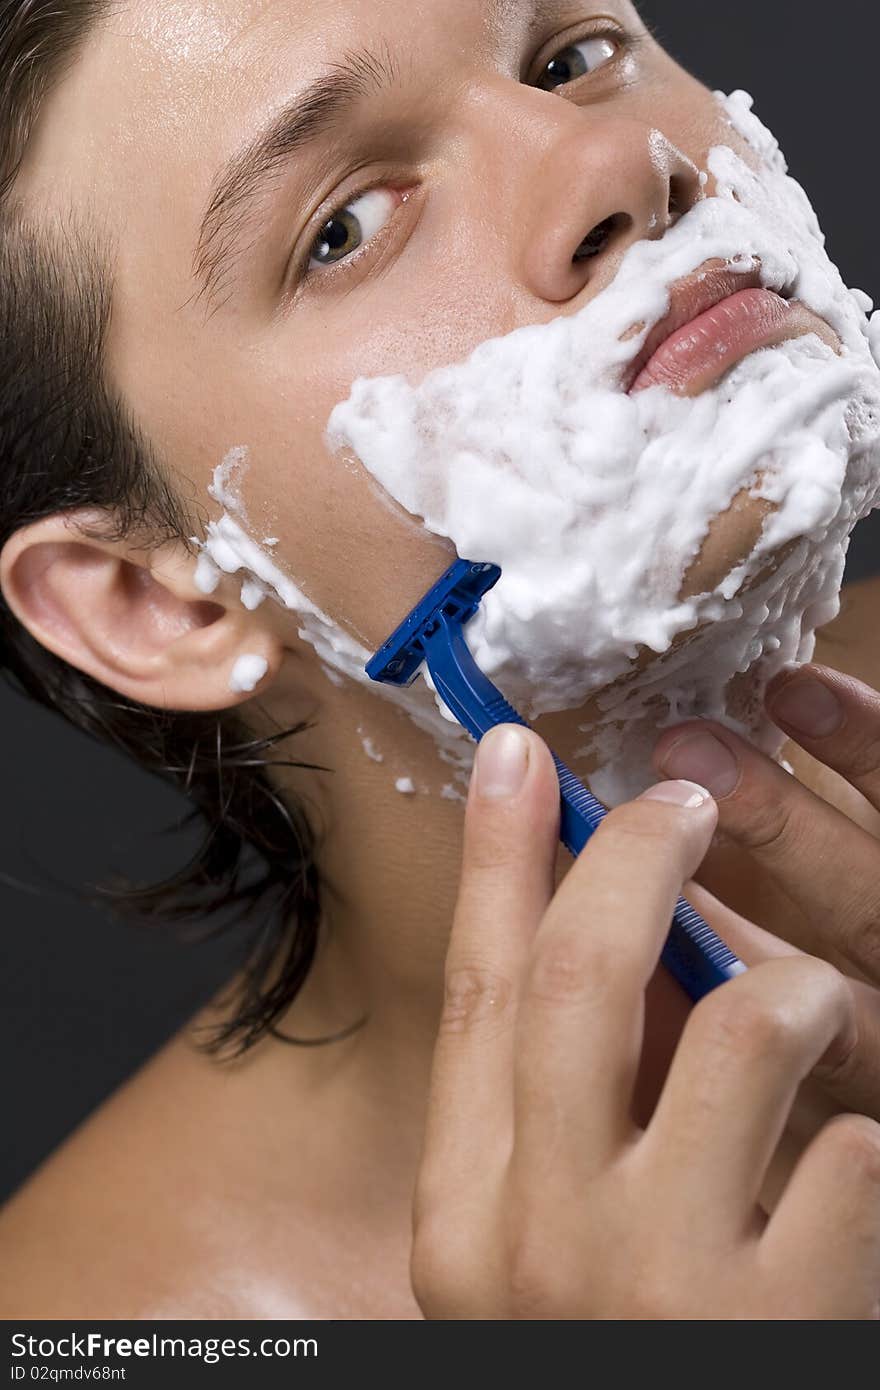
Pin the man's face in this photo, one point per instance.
(454, 186)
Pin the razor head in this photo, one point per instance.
(458, 594)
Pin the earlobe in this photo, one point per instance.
(133, 619)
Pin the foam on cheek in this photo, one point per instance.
(596, 504)
(228, 548)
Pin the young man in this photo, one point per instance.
(275, 200)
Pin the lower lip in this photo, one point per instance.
(698, 355)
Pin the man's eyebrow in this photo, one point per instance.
(304, 119)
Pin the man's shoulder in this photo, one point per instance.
(108, 1224)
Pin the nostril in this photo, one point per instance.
(679, 199)
(601, 235)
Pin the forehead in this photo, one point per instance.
(153, 66)
(165, 91)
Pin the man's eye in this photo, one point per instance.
(576, 61)
(353, 225)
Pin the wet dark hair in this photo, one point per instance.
(67, 441)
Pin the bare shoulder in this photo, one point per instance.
(114, 1223)
(205, 1190)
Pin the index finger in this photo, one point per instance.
(579, 1033)
(510, 848)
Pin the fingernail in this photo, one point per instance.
(808, 707)
(686, 794)
(703, 759)
(502, 762)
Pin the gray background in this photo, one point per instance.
(83, 1000)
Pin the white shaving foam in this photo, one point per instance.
(596, 503)
(372, 752)
(247, 673)
(229, 549)
(451, 793)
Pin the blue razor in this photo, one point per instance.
(433, 633)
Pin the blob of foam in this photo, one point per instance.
(247, 673)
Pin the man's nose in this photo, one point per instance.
(602, 184)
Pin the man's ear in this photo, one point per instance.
(132, 617)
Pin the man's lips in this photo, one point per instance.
(716, 319)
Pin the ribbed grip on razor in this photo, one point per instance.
(498, 711)
(584, 813)
(693, 954)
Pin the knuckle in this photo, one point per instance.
(863, 756)
(864, 932)
(823, 974)
(855, 1140)
(745, 1023)
(473, 994)
(749, 1020)
(567, 967)
(821, 978)
(769, 826)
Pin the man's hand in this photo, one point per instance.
(538, 1195)
(822, 869)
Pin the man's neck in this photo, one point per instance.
(388, 814)
(388, 858)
